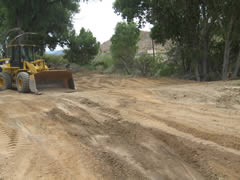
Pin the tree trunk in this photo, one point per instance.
(183, 65)
(153, 48)
(237, 67)
(227, 50)
(205, 59)
(188, 66)
(125, 66)
(205, 50)
(205, 36)
(226, 58)
(18, 18)
(197, 74)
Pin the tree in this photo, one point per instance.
(146, 63)
(194, 26)
(50, 18)
(82, 48)
(179, 21)
(3, 27)
(124, 45)
(229, 23)
(237, 66)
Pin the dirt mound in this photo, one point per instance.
(115, 127)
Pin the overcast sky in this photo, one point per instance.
(98, 17)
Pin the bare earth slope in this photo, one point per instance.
(144, 45)
(122, 128)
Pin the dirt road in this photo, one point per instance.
(115, 127)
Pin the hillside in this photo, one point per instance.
(145, 45)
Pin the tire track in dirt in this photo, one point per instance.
(190, 116)
(99, 81)
(197, 152)
(149, 121)
(106, 163)
(117, 127)
(9, 140)
(14, 148)
(206, 137)
(223, 140)
(107, 131)
(4, 149)
(38, 155)
(116, 145)
(204, 158)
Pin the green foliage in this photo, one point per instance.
(82, 48)
(148, 65)
(166, 69)
(124, 45)
(105, 61)
(50, 18)
(133, 9)
(195, 27)
(54, 59)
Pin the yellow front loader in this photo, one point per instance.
(20, 67)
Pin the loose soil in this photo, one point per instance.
(115, 127)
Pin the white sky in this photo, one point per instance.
(99, 17)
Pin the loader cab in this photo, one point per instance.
(20, 53)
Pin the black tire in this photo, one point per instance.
(5, 81)
(22, 82)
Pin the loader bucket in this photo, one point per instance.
(51, 79)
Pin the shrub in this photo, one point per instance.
(165, 69)
(82, 47)
(124, 46)
(145, 64)
(54, 59)
(104, 63)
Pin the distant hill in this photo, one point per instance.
(58, 52)
(145, 45)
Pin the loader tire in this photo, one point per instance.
(5, 81)
(22, 82)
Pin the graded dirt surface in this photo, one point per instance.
(116, 127)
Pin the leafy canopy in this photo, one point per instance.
(50, 18)
(82, 48)
(124, 44)
(194, 26)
